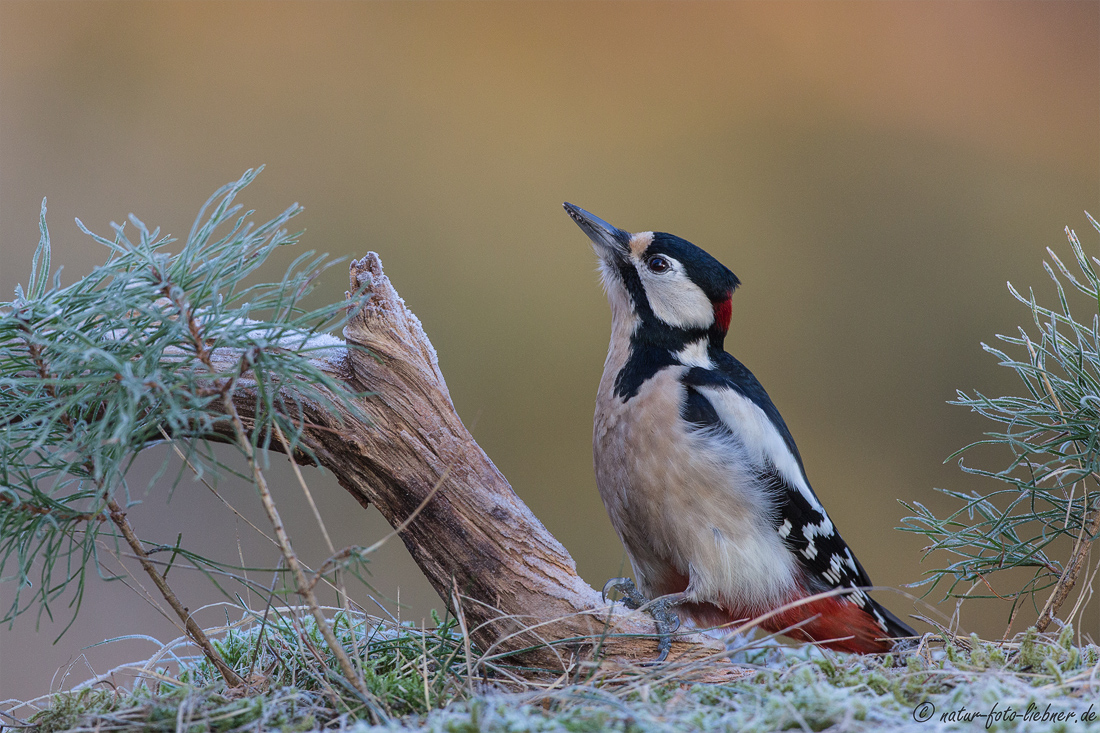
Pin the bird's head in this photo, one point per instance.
(658, 283)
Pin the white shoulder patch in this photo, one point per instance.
(761, 440)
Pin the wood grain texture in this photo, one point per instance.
(517, 586)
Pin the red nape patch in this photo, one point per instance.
(723, 311)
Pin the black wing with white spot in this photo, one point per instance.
(800, 518)
(811, 536)
(824, 555)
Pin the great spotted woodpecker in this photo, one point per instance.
(700, 475)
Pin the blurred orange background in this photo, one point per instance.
(874, 172)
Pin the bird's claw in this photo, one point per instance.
(661, 609)
(631, 598)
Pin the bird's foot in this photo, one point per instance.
(631, 598)
(661, 609)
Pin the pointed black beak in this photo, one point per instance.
(608, 241)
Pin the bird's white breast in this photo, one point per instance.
(686, 498)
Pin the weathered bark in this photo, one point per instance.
(518, 587)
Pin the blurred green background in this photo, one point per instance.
(874, 172)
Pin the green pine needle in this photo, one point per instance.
(95, 372)
(1051, 433)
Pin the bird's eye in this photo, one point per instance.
(658, 264)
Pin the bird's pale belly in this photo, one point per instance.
(686, 514)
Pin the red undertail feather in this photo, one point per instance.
(839, 625)
(833, 623)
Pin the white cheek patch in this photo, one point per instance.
(675, 299)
